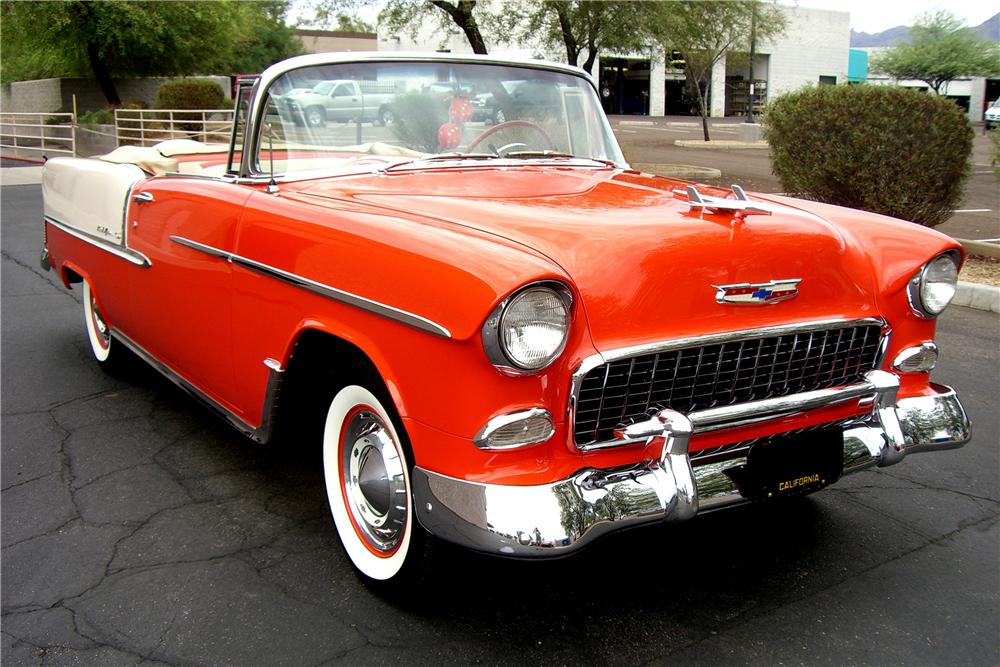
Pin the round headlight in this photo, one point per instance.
(533, 328)
(935, 285)
(528, 330)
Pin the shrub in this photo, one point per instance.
(889, 150)
(190, 94)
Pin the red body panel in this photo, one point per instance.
(448, 245)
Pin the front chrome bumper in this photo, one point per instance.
(555, 519)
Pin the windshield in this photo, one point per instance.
(409, 111)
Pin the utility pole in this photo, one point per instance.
(753, 53)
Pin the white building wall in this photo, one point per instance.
(816, 42)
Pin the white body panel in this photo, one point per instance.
(89, 195)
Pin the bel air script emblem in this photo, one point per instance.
(754, 293)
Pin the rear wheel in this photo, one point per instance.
(386, 117)
(98, 331)
(368, 486)
(113, 357)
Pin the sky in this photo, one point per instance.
(877, 15)
(866, 15)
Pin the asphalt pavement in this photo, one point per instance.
(139, 529)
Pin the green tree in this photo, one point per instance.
(941, 49)
(105, 40)
(584, 26)
(706, 32)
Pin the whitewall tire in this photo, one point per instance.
(368, 484)
(98, 331)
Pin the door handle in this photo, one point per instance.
(142, 197)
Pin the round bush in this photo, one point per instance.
(190, 94)
(899, 152)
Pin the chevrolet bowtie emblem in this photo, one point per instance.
(754, 293)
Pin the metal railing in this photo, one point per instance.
(39, 134)
(145, 127)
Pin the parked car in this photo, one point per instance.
(340, 101)
(516, 346)
(992, 115)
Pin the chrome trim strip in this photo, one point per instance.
(127, 254)
(260, 434)
(731, 336)
(481, 439)
(551, 520)
(363, 303)
(591, 362)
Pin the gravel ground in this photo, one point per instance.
(983, 270)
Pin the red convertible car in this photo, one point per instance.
(500, 334)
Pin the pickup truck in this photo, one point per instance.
(340, 100)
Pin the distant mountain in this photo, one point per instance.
(988, 29)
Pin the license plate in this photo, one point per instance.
(793, 465)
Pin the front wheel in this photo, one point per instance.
(315, 117)
(368, 487)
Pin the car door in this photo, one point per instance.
(345, 102)
(181, 305)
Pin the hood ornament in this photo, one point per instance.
(741, 204)
(757, 293)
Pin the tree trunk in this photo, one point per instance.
(702, 101)
(572, 48)
(103, 75)
(461, 14)
(98, 65)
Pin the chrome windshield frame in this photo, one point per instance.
(252, 134)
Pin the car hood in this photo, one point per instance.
(643, 263)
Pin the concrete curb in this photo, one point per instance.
(720, 144)
(21, 176)
(980, 297)
(685, 171)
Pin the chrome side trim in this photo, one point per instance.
(370, 305)
(127, 254)
(260, 434)
(551, 520)
(481, 439)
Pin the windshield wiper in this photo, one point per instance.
(456, 155)
(557, 154)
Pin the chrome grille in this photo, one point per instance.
(699, 377)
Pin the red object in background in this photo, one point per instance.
(460, 110)
(449, 135)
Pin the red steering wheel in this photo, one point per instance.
(511, 124)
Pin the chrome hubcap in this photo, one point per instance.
(374, 483)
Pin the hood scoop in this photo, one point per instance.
(740, 205)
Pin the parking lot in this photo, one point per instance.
(138, 528)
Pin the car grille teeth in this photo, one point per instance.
(697, 378)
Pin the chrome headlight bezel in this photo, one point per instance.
(915, 288)
(492, 335)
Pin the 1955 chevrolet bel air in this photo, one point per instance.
(500, 334)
